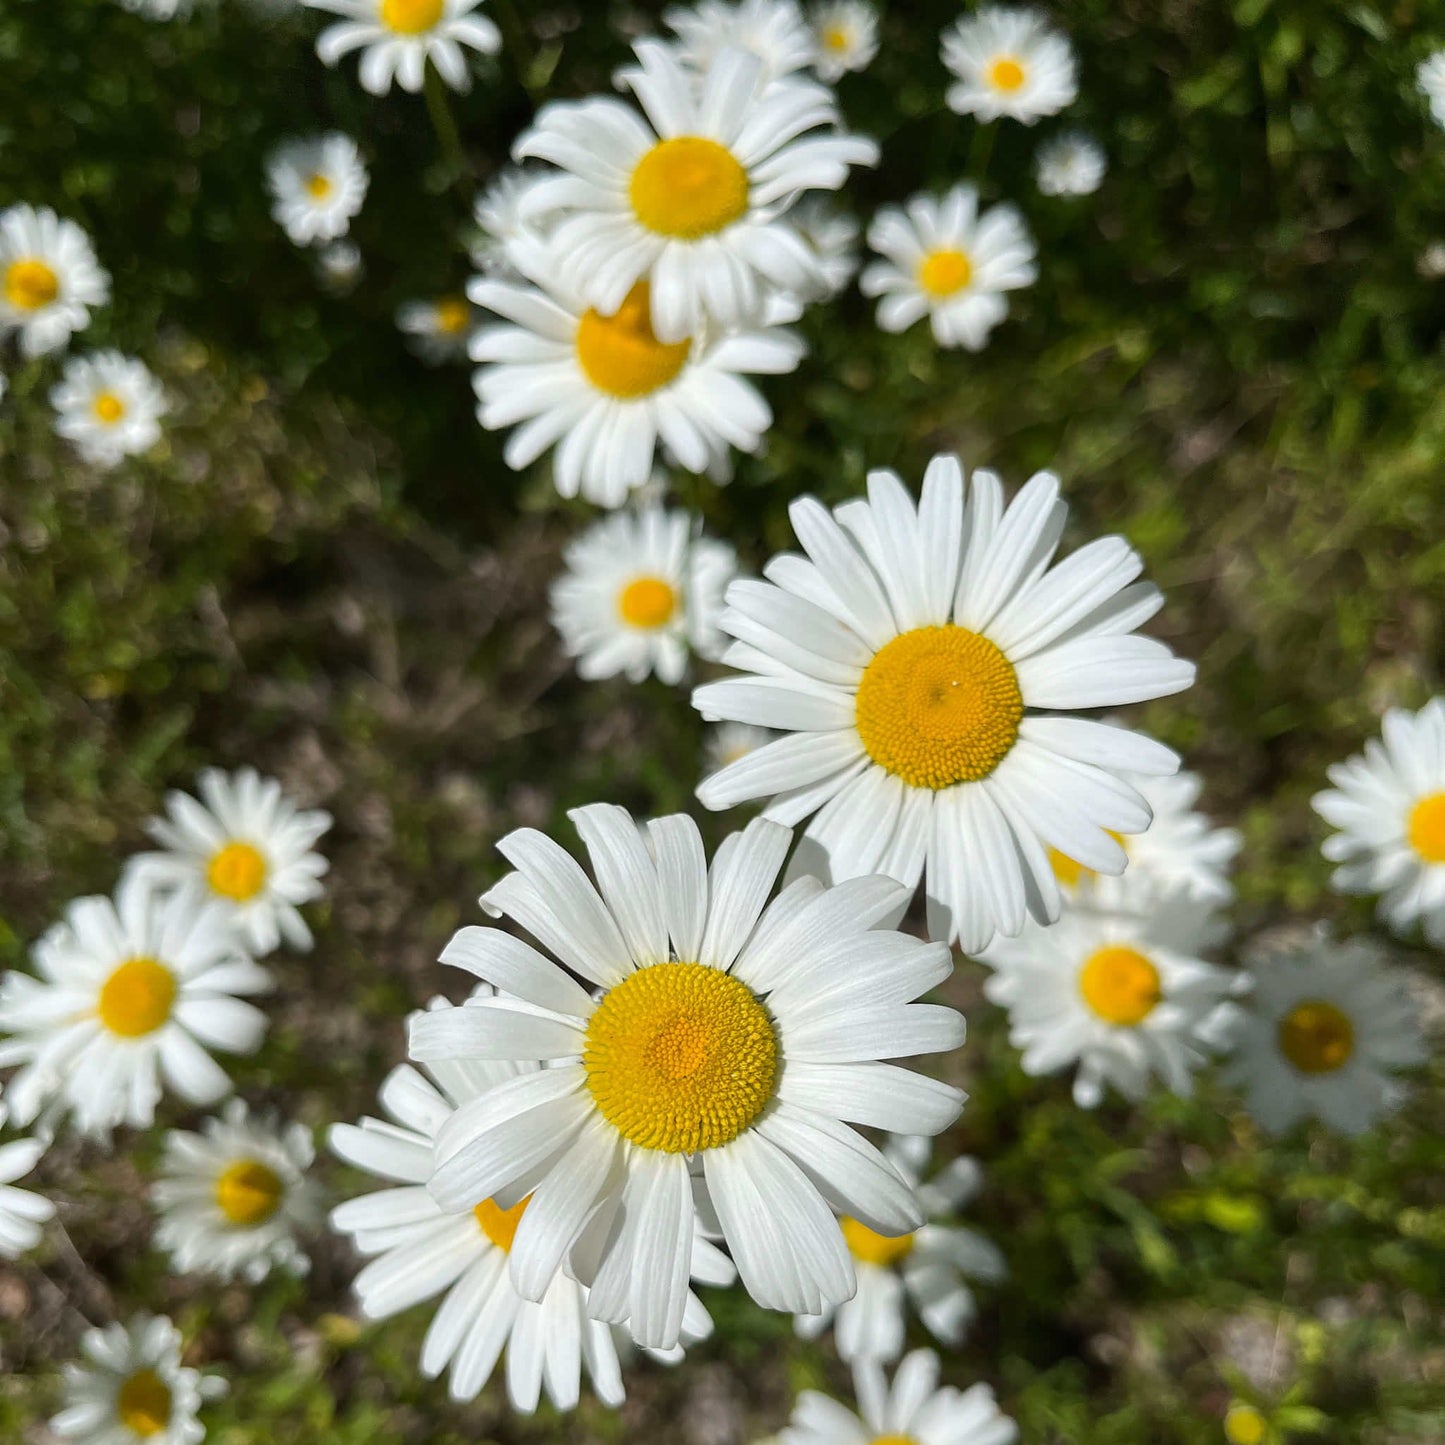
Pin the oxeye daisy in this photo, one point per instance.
(1070, 164)
(1008, 62)
(22, 1211)
(772, 31)
(910, 658)
(233, 1198)
(693, 198)
(1389, 805)
(1430, 78)
(725, 1034)
(49, 278)
(317, 185)
(845, 33)
(244, 846)
(108, 405)
(943, 260)
(729, 742)
(130, 992)
(438, 330)
(400, 36)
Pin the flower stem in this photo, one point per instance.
(516, 43)
(979, 152)
(453, 156)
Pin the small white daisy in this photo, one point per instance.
(400, 36)
(133, 1389)
(945, 260)
(49, 278)
(1008, 62)
(340, 266)
(108, 405)
(772, 31)
(438, 330)
(233, 1198)
(497, 213)
(845, 33)
(317, 186)
(831, 233)
(1070, 164)
(729, 742)
(1430, 78)
(246, 847)
(22, 1211)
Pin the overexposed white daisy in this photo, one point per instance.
(246, 847)
(234, 1198)
(845, 34)
(726, 1033)
(22, 1211)
(1008, 61)
(945, 260)
(108, 405)
(497, 213)
(1070, 164)
(49, 278)
(772, 31)
(910, 660)
(133, 1389)
(728, 742)
(693, 197)
(317, 185)
(399, 37)
(438, 330)
(1430, 78)
(130, 992)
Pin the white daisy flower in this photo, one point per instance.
(694, 197)
(729, 742)
(640, 594)
(400, 36)
(1008, 62)
(725, 1033)
(130, 992)
(1070, 164)
(944, 260)
(927, 1269)
(133, 1388)
(438, 330)
(109, 406)
(831, 233)
(1430, 263)
(1430, 78)
(845, 33)
(340, 266)
(49, 278)
(1326, 1029)
(22, 1211)
(772, 31)
(233, 1199)
(246, 847)
(497, 213)
(911, 659)
(317, 186)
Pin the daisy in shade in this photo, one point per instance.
(1008, 62)
(438, 330)
(133, 1387)
(49, 279)
(845, 33)
(244, 846)
(1326, 1029)
(943, 260)
(317, 185)
(772, 31)
(109, 406)
(233, 1198)
(693, 194)
(729, 742)
(1430, 78)
(400, 36)
(1071, 164)
(725, 1035)
(909, 658)
(1389, 806)
(22, 1211)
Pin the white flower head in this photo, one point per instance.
(845, 33)
(49, 278)
(1430, 79)
(1008, 61)
(109, 406)
(730, 742)
(831, 233)
(399, 37)
(22, 1211)
(498, 214)
(317, 184)
(772, 31)
(438, 330)
(1070, 164)
(340, 266)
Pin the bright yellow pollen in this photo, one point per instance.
(143, 1404)
(318, 187)
(108, 407)
(680, 1057)
(411, 17)
(1316, 1037)
(944, 273)
(136, 999)
(647, 602)
(1427, 828)
(871, 1247)
(1006, 74)
(620, 354)
(30, 284)
(835, 38)
(1244, 1425)
(237, 871)
(498, 1224)
(1120, 985)
(249, 1192)
(453, 314)
(939, 706)
(688, 187)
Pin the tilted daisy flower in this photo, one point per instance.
(1430, 78)
(497, 213)
(22, 1211)
(1070, 164)
(909, 658)
(845, 33)
(772, 31)
(133, 1388)
(233, 1198)
(438, 330)
(49, 278)
(725, 1034)
(244, 846)
(109, 406)
(317, 184)
(1389, 805)
(728, 742)
(400, 36)
(693, 198)
(1008, 62)
(943, 260)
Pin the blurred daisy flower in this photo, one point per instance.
(49, 278)
(437, 330)
(772, 31)
(159, 9)
(400, 36)
(22, 1211)
(498, 216)
(729, 742)
(1070, 164)
(1430, 78)
(1008, 62)
(317, 186)
(831, 233)
(845, 33)
(109, 406)
(340, 266)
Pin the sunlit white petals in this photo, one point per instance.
(1430, 78)
(23, 1212)
(317, 185)
(49, 278)
(1070, 164)
(108, 406)
(845, 33)
(773, 31)
(1007, 61)
(399, 38)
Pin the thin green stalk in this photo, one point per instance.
(979, 152)
(515, 42)
(444, 123)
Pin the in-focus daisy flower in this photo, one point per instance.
(772, 31)
(641, 593)
(438, 330)
(233, 1198)
(133, 1388)
(499, 223)
(109, 406)
(1389, 805)
(1326, 1029)
(1008, 62)
(694, 197)
(944, 260)
(244, 846)
(400, 36)
(726, 1034)
(317, 185)
(49, 278)
(910, 659)
(22, 1211)
(845, 33)
(130, 992)
(1070, 164)
(728, 742)
(1430, 78)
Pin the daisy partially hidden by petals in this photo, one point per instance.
(497, 213)
(730, 742)
(911, 658)
(317, 184)
(109, 406)
(438, 330)
(49, 279)
(22, 1211)
(1008, 61)
(399, 37)
(726, 1034)
(846, 34)
(772, 31)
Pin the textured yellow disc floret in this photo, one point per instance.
(647, 602)
(688, 187)
(143, 1404)
(680, 1057)
(411, 17)
(1316, 1037)
(1427, 828)
(237, 871)
(1006, 74)
(1120, 985)
(249, 1192)
(944, 273)
(136, 999)
(1244, 1425)
(870, 1247)
(621, 355)
(30, 284)
(453, 314)
(939, 706)
(498, 1224)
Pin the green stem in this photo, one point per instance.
(443, 122)
(515, 41)
(979, 152)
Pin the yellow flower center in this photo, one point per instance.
(944, 273)
(411, 17)
(143, 1404)
(136, 999)
(871, 1247)
(939, 706)
(237, 871)
(1069, 871)
(30, 284)
(647, 602)
(620, 354)
(1120, 985)
(835, 37)
(498, 1224)
(318, 187)
(680, 1057)
(249, 1192)
(1006, 74)
(688, 187)
(453, 314)
(1427, 828)
(894, 1440)
(1316, 1037)
(1244, 1425)
(108, 407)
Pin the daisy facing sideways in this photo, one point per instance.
(772, 31)
(846, 35)
(1008, 61)
(22, 1211)
(109, 406)
(438, 330)
(917, 658)
(1071, 164)
(49, 279)
(399, 37)
(726, 1034)
(317, 185)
